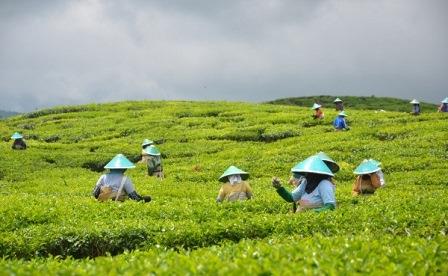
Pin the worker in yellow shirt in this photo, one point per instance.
(234, 188)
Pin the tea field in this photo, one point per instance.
(52, 225)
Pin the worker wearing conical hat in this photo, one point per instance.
(444, 106)
(19, 143)
(340, 123)
(369, 178)
(154, 162)
(115, 185)
(315, 191)
(339, 104)
(146, 143)
(318, 113)
(415, 107)
(235, 187)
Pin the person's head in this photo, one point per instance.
(296, 178)
(152, 151)
(146, 143)
(120, 171)
(342, 114)
(233, 175)
(17, 136)
(316, 106)
(367, 168)
(315, 170)
(414, 102)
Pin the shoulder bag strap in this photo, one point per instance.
(123, 180)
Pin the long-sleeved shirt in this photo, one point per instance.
(239, 191)
(366, 184)
(113, 180)
(339, 123)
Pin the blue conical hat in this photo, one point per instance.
(445, 100)
(312, 164)
(414, 101)
(337, 100)
(342, 113)
(152, 150)
(16, 135)
(366, 166)
(316, 106)
(232, 170)
(119, 162)
(147, 142)
(334, 167)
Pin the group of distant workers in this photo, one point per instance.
(311, 179)
(340, 123)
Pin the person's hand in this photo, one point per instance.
(276, 183)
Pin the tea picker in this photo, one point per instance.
(318, 113)
(315, 190)
(339, 105)
(369, 177)
(115, 185)
(444, 106)
(146, 143)
(235, 187)
(19, 143)
(415, 107)
(154, 162)
(340, 123)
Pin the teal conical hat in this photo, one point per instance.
(231, 171)
(16, 135)
(414, 101)
(152, 150)
(147, 142)
(445, 100)
(334, 167)
(312, 164)
(316, 106)
(342, 113)
(119, 162)
(337, 100)
(366, 166)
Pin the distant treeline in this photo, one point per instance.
(356, 102)
(4, 114)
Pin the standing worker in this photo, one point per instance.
(415, 107)
(339, 105)
(19, 143)
(444, 106)
(115, 185)
(146, 143)
(339, 123)
(318, 114)
(369, 178)
(154, 162)
(235, 187)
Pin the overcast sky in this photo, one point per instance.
(72, 52)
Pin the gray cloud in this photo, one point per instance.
(73, 52)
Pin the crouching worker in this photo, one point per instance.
(19, 143)
(154, 162)
(115, 185)
(318, 113)
(235, 188)
(369, 178)
(339, 123)
(315, 191)
(145, 156)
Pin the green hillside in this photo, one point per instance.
(355, 102)
(52, 225)
(5, 114)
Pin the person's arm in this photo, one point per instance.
(356, 186)
(376, 183)
(326, 191)
(97, 189)
(327, 206)
(221, 195)
(249, 193)
(283, 193)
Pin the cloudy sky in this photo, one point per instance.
(71, 52)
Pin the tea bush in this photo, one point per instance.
(52, 225)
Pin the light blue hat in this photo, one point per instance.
(232, 170)
(152, 150)
(312, 164)
(342, 113)
(445, 100)
(366, 167)
(414, 101)
(119, 162)
(334, 167)
(316, 106)
(16, 136)
(377, 163)
(337, 100)
(147, 142)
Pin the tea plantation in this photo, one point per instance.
(51, 225)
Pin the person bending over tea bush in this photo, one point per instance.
(115, 185)
(154, 162)
(339, 123)
(19, 143)
(369, 178)
(235, 188)
(315, 191)
(318, 113)
(145, 156)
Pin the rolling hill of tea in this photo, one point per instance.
(52, 225)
